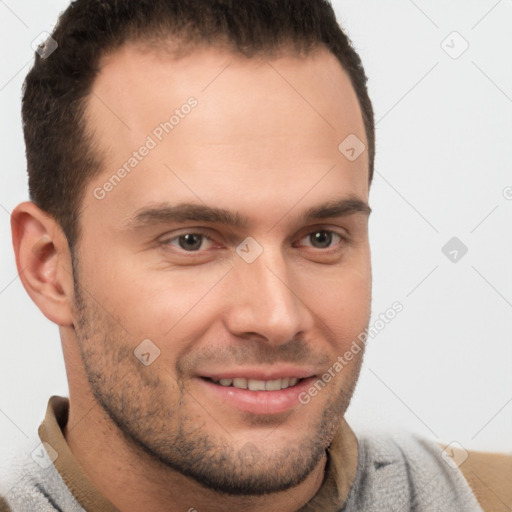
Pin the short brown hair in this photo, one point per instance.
(60, 154)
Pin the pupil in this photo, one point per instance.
(190, 242)
(321, 239)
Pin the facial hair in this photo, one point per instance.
(153, 411)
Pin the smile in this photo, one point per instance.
(258, 385)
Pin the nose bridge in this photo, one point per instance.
(266, 302)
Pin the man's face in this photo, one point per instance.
(164, 257)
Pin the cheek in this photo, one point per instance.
(341, 298)
(157, 303)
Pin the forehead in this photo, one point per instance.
(224, 129)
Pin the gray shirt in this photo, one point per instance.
(394, 473)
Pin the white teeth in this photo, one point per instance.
(240, 383)
(256, 385)
(273, 385)
(259, 385)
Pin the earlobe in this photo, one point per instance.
(43, 261)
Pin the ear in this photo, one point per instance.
(43, 260)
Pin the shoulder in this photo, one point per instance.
(405, 470)
(488, 474)
(30, 481)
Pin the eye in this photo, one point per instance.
(189, 242)
(322, 239)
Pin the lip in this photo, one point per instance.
(256, 402)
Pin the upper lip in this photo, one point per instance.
(260, 373)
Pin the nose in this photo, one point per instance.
(266, 301)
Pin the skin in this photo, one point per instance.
(256, 147)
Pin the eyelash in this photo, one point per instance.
(342, 240)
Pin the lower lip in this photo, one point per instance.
(260, 402)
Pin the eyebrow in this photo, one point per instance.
(337, 208)
(190, 212)
(186, 212)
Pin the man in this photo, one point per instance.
(199, 174)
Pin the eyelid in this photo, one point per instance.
(187, 230)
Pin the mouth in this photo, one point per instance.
(257, 392)
(256, 384)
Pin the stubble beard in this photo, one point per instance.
(165, 435)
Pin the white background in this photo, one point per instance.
(442, 367)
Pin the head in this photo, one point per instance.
(194, 220)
